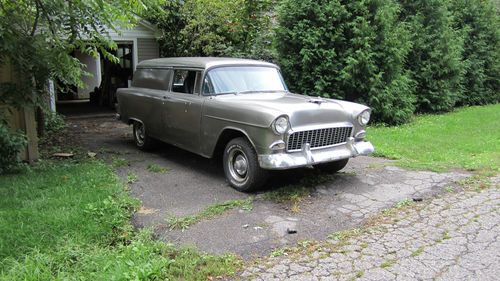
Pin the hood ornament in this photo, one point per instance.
(316, 100)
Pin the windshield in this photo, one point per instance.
(240, 79)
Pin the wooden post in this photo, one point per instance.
(21, 119)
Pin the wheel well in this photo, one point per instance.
(132, 120)
(226, 136)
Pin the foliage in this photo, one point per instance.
(435, 58)
(467, 138)
(212, 27)
(65, 221)
(11, 143)
(398, 57)
(353, 50)
(54, 122)
(480, 23)
(37, 38)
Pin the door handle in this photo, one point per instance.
(167, 98)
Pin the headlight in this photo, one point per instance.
(364, 118)
(281, 125)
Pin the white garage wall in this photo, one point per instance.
(94, 68)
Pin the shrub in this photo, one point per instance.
(10, 146)
(435, 58)
(480, 23)
(54, 122)
(353, 50)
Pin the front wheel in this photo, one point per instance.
(333, 167)
(241, 166)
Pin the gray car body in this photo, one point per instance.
(199, 123)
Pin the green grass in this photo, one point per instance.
(208, 213)
(132, 177)
(417, 252)
(119, 162)
(155, 168)
(387, 263)
(468, 138)
(68, 220)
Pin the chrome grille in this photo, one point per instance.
(318, 138)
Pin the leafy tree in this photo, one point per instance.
(480, 23)
(211, 27)
(37, 38)
(352, 50)
(435, 58)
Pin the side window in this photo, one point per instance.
(157, 79)
(185, 81)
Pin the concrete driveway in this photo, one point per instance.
(192, 183)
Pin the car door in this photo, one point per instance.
(183, 105)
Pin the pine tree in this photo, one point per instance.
(480, 23)
(435, 58)
(353, 50)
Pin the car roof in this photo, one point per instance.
(200, 62)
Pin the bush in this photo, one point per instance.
(10, 146)
(480, 24)
(353, 50)
(53, 122)
(435, 58)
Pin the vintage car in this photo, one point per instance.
(240, 110)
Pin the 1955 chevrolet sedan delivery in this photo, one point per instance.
(241, 110)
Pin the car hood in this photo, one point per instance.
(302, 110)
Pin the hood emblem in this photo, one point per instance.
(316, 100)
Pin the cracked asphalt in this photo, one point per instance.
(363, 189)
(453, 237)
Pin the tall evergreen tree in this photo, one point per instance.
(435, 59)
(353, 50)
(480, 23)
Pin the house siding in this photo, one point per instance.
(147, 48)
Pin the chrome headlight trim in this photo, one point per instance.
(281, 125)
(364, 117)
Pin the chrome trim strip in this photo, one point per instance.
(233, 121)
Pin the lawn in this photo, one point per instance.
(468, 138)
(68, 220)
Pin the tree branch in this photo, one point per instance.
(35, 24)
(46, 15)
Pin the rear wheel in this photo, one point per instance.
(241, 166)
(332, 167)
(141, 138)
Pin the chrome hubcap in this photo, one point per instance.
(139, 134)
(238, 165)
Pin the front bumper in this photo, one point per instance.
(307, 157)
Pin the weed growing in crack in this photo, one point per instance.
(155, 168)
(387, 263)
(278, 253)
(132, 177)
(417, 252)
(449, 189)
(211, 211)
(119, 162)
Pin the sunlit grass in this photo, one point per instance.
(468, 138)
(70, 221)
